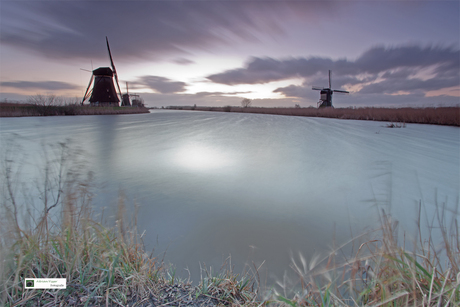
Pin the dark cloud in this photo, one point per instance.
(160, 84)
(379, 58)
(374, 61)
(203, 94)
(394, 85)
(183, 61)
(43, 85)
(297, 91)
(379, 70)
(264, 70)
(77, 29)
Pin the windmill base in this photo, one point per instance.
(104, 104)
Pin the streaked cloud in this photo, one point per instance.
(202, 94)
(183, 61)
(384, 70)
(141, 29)
(42, 85)
(161, 84)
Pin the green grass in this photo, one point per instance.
(63, 237)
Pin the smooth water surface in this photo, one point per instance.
(256, 187)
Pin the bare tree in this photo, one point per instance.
(42, 100)
(246, 102)
(52, 100)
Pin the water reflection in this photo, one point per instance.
(202, 157)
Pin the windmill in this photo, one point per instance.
(125, 101)
(103, 91)
(133, 100)
(325, 99)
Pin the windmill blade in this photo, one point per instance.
(110, 56)
(317, 88)
(330, 79)
(339, 91)
(87, 89)
(118, 85)
(113, 68)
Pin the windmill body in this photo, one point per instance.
(325, 98)
(103, 89)
(125, 101)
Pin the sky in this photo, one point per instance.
(215, 53)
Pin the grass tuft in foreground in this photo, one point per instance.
(99, 263)
(102, 265)
(382, 273)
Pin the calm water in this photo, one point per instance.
(256, 187)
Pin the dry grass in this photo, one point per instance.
(382, 273)
(437, 116)
(61, 237)
(20, 110)
(63, 240)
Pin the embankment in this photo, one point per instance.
(19, 110)
(449, 116)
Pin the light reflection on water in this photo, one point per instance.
(202, 157)
(256, 187)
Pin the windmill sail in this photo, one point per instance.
(88, 92)
(113, 66)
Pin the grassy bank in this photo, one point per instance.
(27, 109)
(436, 116)
(60, 236)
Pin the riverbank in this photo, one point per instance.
(449, 116)
(26, 109)
(107, 265)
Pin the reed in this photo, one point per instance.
(435, 116)
(20, 110)
(64, 240)
(62, 237)
(382, 272)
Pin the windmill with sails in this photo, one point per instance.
(325, 99)
(103, 87)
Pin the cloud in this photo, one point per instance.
(297, 91)
(264, 70)
(141, 29)
(161, 85)
(378, 70)
(376, 60)
(203, 94)
(183, 61)
(43, 85)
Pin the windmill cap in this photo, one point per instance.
(103, 71)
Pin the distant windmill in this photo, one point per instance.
(125, 101)
(131, 99)
(103, 91)
(325, 99)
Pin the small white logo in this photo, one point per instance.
(45, 283)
